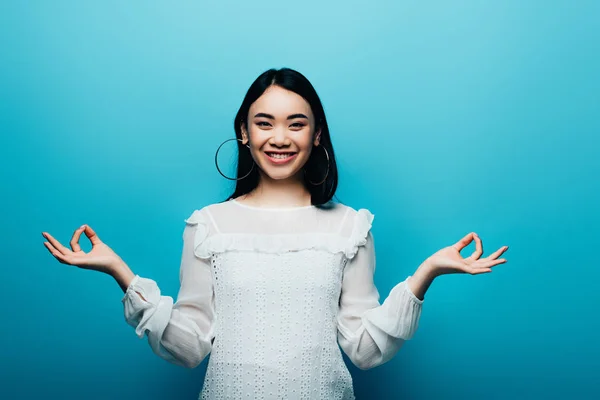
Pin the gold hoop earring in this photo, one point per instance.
(217, 163)
(326, 174)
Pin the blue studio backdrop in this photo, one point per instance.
(446, 118)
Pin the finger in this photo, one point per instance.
(496, 254)
(69, 259)
(478, 249)
(56, 244)
(489, 264)
(483, 271)
(474, 270)
(464, 242)
(91, 234)
(57, 254)
(75, 239)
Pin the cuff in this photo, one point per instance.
(139, 312)
(399, 314)
(128, 291)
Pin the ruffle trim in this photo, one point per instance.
(205, 247)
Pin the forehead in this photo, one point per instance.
(280, 103)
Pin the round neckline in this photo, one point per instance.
(271, 208)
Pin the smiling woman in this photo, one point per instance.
(282, 122)
(280, 139)
(277, 278)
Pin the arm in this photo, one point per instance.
(123, 275)
(180, 333)
(420, 281)
(371, 333)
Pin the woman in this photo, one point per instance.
(273, 278)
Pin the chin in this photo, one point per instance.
(279, 176)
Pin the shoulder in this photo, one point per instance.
(223, 226)
(200, 223)
(358, 215)
(333, 215)
(356, 228)
(330, 207)
(202, 219)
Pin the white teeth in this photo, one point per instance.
(279, 156)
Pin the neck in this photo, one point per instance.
(289, 192)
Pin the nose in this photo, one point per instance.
(279, 138)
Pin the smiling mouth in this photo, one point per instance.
(280, 156)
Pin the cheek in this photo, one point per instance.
(304, 141)
(308, 148)
(305, 154)
(258, 140)
(258, 136)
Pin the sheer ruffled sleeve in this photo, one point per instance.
(180, 333)
(371, 333)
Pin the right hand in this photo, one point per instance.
(101, 258)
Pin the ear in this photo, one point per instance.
(317, 137)
(244, 133)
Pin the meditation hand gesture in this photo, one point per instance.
(449, 261)
(101, 258)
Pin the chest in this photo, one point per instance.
(308, 272)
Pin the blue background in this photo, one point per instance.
(446, 118)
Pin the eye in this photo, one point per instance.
(297, 125)
(262, 123)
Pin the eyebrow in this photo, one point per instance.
(272, 117)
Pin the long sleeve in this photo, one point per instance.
(371, 333)
(180, 333)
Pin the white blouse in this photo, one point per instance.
(270, 292)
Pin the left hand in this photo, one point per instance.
(449, 261)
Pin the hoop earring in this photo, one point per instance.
(326, 174)
(219, 169)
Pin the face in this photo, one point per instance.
(281, 133)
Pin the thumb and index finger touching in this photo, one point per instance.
(89, 232)
(464, 242)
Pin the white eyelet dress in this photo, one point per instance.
(273, 294)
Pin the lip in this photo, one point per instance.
(280, 161)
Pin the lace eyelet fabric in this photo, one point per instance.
(276, 335)
(272, 298)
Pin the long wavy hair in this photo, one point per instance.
(316, 166)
